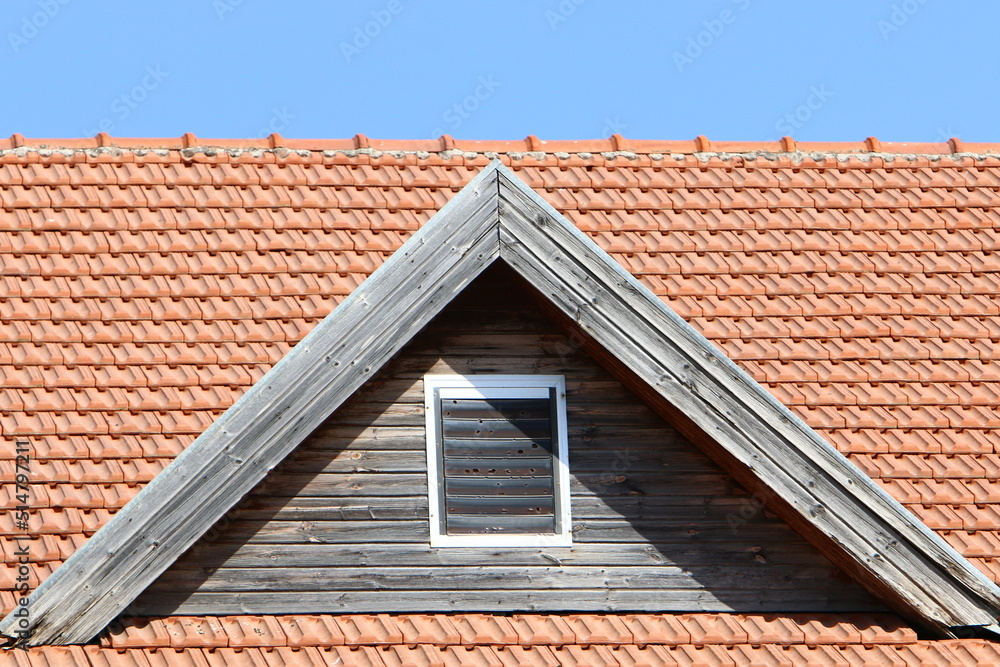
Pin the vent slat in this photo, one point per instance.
(496, 428)
(498, 467)
(495, 408)
(500, 505)
(498, 447)
(500, 524)
(498, 486)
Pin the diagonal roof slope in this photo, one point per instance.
(498, 217)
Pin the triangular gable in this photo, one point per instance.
(674, 368)
(343, 520)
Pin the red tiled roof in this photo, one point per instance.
(472, 639)
(146, 283)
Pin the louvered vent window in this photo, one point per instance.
(496, 456)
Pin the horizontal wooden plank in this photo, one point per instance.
(515, 466)
(485, 577)
(332, 436)
(336, 485)
(579, 415)
(741, 511)
(592, 531)
(386, 389)
(581, 436)
(413, 366)
(582, 459)
(605, 484)
(312, 554)
(500, 600)
(262, 507)
(495, 344)
(650, 483)
(466, 319)
(354, 461)
(597, 435)
(330, 532)
(390, 414)
(458, 524)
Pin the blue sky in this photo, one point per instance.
(905, 70)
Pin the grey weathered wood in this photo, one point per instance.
(643, 442)
(370, 438)
(416, 530)
(874, 535)
(417, 367)
(304, 508)
(266, 423)
(477, 577)
(584, 435)
(356, 461)
(585, 459)
(727, 554)
(411, 390)
(397, 414)
(411, 484)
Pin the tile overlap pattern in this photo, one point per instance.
(704, 640)
(142, 291)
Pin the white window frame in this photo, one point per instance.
(497, 386)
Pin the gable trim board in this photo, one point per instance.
(497, 216)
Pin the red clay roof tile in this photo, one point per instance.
(369, 629)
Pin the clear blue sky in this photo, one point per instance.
(902, 70)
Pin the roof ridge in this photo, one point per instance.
(616, 144)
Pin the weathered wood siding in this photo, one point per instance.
(341, 525)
